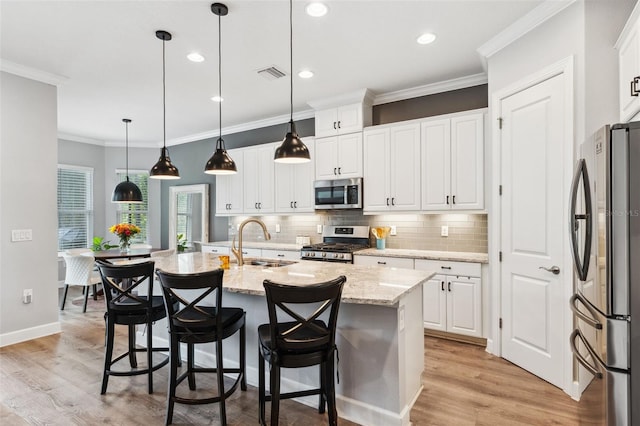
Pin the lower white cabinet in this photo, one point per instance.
(281, 254)
(392, 262)
(220, 250)
(452, 300)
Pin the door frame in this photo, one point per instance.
(563, 67)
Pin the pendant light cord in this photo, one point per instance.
(220, 74)
(164, 102)
(126, 144)
(291, 57)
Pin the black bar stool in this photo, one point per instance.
(192, 323)
(303, 342)
(127, 305)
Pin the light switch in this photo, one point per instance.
(319, 229)
(393, 230)
(444, 231)
(277, 227)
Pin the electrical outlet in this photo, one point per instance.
(444, 231)
(319, 229)
(27, 295)
(393, 230)
(277, 227)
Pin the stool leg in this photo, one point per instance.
(173, 374)
(331, 391)
(64, 296)
(190, 366)
(86, 298)
(261, 389)
(323, 387)
(220, 373)
(275, 394)
(243, 358)
(108, 353)
(132, 346)
(95, 292)
(150, 355)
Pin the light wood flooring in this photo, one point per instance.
(55, 380)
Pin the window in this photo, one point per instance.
(136, 214)
(184, 223)
(75, 207)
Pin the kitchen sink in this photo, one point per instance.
(268, 263)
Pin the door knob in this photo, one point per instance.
(554, 269)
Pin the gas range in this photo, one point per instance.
(338, 244)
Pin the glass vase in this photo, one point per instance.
(125, 245)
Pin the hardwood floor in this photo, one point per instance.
(56, 380)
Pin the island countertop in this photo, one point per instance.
(369, 285)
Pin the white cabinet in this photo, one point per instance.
(259, 179)
(452, 152)
(339, 157)
(392, 168)
(229, 188)
(341, 120)
(629, 66)
(392, 262)
(452, 300)
(294, 185)
(220, 250)
(281, 254)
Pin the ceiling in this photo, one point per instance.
(111, 60)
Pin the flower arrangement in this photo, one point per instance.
(124, 231)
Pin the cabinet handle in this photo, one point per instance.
(295, 204)
(339, 170)
(334, 125)
(393, 201)
(338, 124)
(381, 263)
(447, 200)
(335, 171)
(229, 206)
(280, 255)
(449, 286)
(291, 204)
(259, 205)
(255, 206)
(445, 267)
(634, 86)
(453, 199)
(441, 285)
(387, 200)
(214, 251)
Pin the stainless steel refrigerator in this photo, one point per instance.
(605, 236)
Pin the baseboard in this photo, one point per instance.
(29, 333)
(479, 341)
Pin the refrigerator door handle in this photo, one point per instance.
(582, 267)
(589, 320)
(593, 369)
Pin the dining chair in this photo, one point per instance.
(130, 303)
(201, 318)
(300, 340)
(79, 265)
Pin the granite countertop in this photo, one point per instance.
(258, 245)
(369, 285)
(457, 256)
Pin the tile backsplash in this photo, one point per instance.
(467, 232)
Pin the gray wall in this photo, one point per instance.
(28, 181)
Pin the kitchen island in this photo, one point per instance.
(379, 336)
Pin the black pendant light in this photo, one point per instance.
(220, 162)
(292, 150)
(126, 192)
(163, 169)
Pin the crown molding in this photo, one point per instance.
(365, 96)
(522, 26)
(82, 139)
(32, 73)
(430, 89)
(628, 27)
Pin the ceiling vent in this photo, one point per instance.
(271, 73)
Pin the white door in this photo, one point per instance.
(463, 305)
(326, 158)
(467, 162)
(350, 155)
(404, 162)
(303, 176)
(532, 216)
(434, 302)
(436, 164)
(376, 170)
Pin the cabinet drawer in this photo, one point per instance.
(251, 252)
(215, 249)
(446, 267)
(393, 262)
(281, 254)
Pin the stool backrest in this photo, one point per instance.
(79, 267)
(190, 316)
(122, 285)
(293, 330)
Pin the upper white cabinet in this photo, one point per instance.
(294, 185)
(452, 152)
(259, 179)
(628, 46)
(229, 188)
(340, 120)
(392, 168)
(339, 157)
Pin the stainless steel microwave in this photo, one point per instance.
(338, 194)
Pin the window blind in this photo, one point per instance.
(75, 207)
(136, 214)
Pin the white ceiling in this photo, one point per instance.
(111, 60)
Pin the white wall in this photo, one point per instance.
(28, 181)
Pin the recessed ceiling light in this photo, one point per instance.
(195, 57)
(316, 9)
(305, 74)
(426, 38)
(217, 99)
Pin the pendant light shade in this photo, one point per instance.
(220, 162)
(163, 169)
(292, 149)
(126, 192)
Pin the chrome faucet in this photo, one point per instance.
(237, 252)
